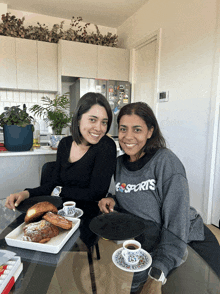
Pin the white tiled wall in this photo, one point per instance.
(12, 98)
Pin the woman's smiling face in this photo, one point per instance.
(93, 124)
(133, 134)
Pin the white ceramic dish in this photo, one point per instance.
(45, 147)
(145, 261)
(78, 213)
(53, 246)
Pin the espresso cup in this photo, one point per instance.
(131, 251)
(69, 207)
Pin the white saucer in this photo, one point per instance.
(78, 213)
(145, 261)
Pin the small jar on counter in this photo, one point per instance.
(36, 135)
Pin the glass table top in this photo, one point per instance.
(77, 268)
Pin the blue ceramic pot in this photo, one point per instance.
(18, 138)
(55, 140)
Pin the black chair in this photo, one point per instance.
(47, 172)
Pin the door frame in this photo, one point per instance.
(155, 36)
(212, 178)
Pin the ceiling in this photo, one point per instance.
(110, 13)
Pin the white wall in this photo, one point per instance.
(186, 71)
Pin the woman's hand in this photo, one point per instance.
(106, 205)
(152, 287)
(15, 199)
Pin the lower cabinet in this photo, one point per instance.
(21, 171)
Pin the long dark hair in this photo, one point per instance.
(85, 103)
(144, 111)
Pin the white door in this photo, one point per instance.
(144, 73)
(216, 185)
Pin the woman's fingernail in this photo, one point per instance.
(16, 204)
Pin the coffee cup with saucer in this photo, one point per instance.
(131, 251)
(69, 208)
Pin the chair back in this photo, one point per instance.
(47, 172)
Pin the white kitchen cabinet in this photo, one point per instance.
(47, 66)
(28, 64)
(113, 63)
(7, 63)
(26, 56)
(77, 59)
(92, 61)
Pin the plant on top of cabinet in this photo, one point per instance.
(55, 111)
(78, 33)
(17, 128)
(13, 27)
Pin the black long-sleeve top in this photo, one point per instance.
(87, 179)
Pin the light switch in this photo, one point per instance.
(163, 96)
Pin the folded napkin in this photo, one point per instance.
(5, 255)
(2, 147)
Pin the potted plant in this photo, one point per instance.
(56, 113)
(17, 128)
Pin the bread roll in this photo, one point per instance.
(38, 210)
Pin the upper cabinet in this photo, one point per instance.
(113, 63)
(26, 57)
(77, 59)
(8, 78)
(38, 66)
(28, 64)
(47, 66)
(92, 61)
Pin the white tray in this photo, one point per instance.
(53, 246)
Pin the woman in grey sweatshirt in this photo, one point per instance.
(151, 182)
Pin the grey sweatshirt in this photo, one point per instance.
(159, 192)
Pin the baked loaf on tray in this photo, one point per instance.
(37, 210)
(40, 232)
(58, 220)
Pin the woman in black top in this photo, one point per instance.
(85, 161)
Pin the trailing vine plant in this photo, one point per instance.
(14, 27)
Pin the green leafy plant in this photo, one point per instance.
(14, 27)
(15, 116)
(55, 111)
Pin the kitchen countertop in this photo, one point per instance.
(39, 151)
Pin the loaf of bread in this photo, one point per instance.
(37, 210)
(58, 220)
(40, 232)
